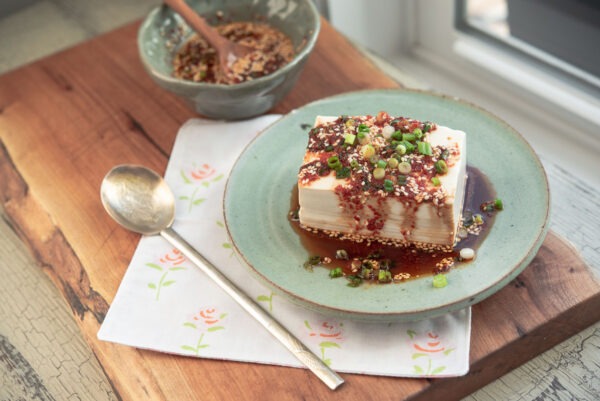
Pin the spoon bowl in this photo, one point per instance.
(138, 199)
(141, 201)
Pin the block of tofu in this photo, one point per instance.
(381, 178)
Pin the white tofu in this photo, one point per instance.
(403, 219)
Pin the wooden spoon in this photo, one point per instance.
(227, 50)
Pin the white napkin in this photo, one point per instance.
(166, 304)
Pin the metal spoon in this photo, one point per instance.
(141, 201)
(227, 50)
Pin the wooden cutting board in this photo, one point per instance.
(67, 119)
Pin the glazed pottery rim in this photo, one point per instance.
(298, 58)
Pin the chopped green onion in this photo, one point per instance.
(343, 172)
(381, 163)
(427, 127)
(337, 272)
(498, 204)
(409, 146)
(388, 185)
(424, 148)
(436, 181)
(409, 137)
(397, 135)
(365, 273)
(379, 173)
(384, 276)
(441, 167)
(392, 162)
(367, 151)
(354, 281)
(329, 148)
(478, 219)
(349, 139)
(364, 128)
(334, 163)
(404, 167)
(401, 149)
(401, 179)
(349, 122)
(354, 163)
(418, 133)
(440, 281)
(312, 262)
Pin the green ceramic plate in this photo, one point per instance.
(257, 201)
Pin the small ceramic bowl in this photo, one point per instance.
(163, 32)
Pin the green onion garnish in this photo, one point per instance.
(441, 167)
(349, 139)
(336, 272)
(354, 281)
(409, 146)
(401, 149)
(409, 137)
(401, 179)
(436, 181)
(404, 168)
(388, 185)
(427, 127)
(424, 148)
(392, 162)
(334, 163)
(354, 164)
(418, 133)
(367, 151)
(342, 172)
(364, 128)
(440, 281)
(384, 276)
(397, 135)
(379, 173)
(381, 163)
(498, 204)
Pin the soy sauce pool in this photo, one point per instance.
(403, 263)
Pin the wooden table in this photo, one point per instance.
(67, 119)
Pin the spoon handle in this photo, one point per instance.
(310, 360)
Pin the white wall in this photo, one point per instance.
(379, 25)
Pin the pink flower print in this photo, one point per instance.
(328, 330)
(429, 348)
(203, 172)
(328, 334)
(205, 321)
(432, 344)
(173, 259)
(168, 263)
(204, 175)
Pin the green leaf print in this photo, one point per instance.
(185, 178)
(188, 348)
(411, 333)
(190, 325)
(418, 369)
(329, 344)
(168, 283)
(418, 355)
(216, 328)
(152, 285)
(438, 370)
(154, 266)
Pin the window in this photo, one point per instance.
(558, 34)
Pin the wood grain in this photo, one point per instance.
(67, 119)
